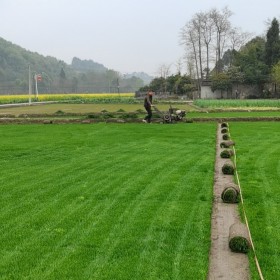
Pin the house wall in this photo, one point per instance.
(240, 92)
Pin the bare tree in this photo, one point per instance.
(190, 39)
(190, 66)
(207, 33)
(179, 65)
(197, 27)
(164, 71)
(222, 28)
(238, 38)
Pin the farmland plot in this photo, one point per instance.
(106, 201)
(258, 162)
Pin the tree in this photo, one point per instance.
(189, 38)
(272, 45)
(222, 82)
(250, 61)
(238, 38)
(62, 78)
(236, 77)
(222, 28)
(164, 71)
(62, 74)
(276, 75)
(207, 33)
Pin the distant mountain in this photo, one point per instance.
(87, 65)
(58, 76)
(142, 75)
(14, 62)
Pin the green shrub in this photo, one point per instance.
(224, 130)
(226, 137)
(224, 124)
(227, 144)
(226, 153)
(228, 169)
(93, 116)
(121, 110)
(230, 195)
(129, 116)
(239, 244)
(108, 116)
(59, 112)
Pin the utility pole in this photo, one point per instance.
(30, 84)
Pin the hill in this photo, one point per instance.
(58, 76)
(87, 65)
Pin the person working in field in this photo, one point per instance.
(148, 103)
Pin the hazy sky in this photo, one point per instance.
(124, 35)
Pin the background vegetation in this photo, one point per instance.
(224, 57)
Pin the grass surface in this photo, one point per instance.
(234, 114)
(106, 201)
(234, 103)
(258, 163)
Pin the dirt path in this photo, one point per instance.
(223, 264)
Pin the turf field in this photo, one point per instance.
(258, 162)
(106, 201)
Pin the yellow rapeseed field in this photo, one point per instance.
(59, 96)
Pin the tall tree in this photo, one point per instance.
(189, 39)
(207, 34)
(222, 28)
(272, 45)
(250, 61)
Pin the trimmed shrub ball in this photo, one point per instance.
(239, 244)
(226, 153)
(224, 130)
(226, 137)
(224, 124)
(227, 144)
(230, 195)
(228, 169)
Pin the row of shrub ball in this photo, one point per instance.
(238, 234)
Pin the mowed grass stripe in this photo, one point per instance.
(168, 190)
(85, 214)
(258, 164)
(103, 211)
(128, 214)
(163, 223)
(54, 204)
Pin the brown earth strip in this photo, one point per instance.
(31, 119)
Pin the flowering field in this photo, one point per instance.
(78, 97)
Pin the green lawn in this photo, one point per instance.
(237, 103)
(258, 162)
(248, 114)
(106, 201)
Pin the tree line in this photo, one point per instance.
(224, 55)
